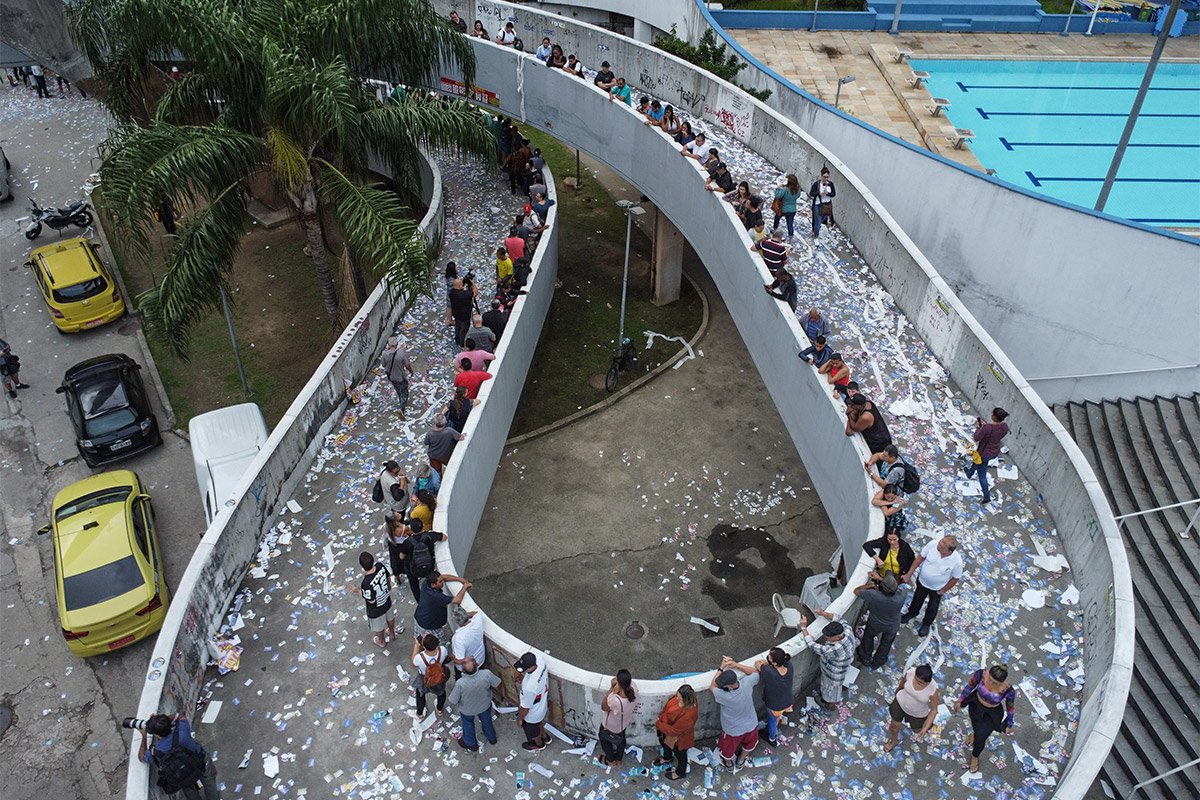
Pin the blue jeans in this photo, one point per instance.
(981, 470)
(772, 725)
(816, 220)
(485, 722)
(790, 216)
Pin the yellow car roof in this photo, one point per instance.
(68, 262)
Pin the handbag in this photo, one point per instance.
(826, 210)
(777, 206)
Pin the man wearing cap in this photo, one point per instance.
(883, 601)
(835, 652)
(605, 78)
(719, 180)
(734, 694)
(534, 701)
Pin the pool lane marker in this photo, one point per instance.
(968, 87)
(1038, 181)
(990, 114)
(1010, 146)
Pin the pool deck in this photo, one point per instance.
(882, 93)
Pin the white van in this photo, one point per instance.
(224, 442)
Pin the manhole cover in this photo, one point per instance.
(127, 328)
(6, 719)
(597, 381)
(635, 630)
(708, 634)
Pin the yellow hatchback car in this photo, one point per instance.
(109, 578)
(76, 286)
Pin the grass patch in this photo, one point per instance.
(580, 332)
(1061, 7)
(280, 323)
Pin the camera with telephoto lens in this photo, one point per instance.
(469, 278)
(133, 724)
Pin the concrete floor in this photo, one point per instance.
(65, 740)
(684, 498)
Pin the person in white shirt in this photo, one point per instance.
(938, 568)
(534, 702)
(508, 36)
(467, 642)
(544, 49)
(697, 148)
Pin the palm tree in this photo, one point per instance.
(270, 87)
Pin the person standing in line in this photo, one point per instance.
(472, 352)
(534, 702)
(467, 641)
(395, 486)
(472, 696)
(915, 703)
(821, 194)
(543, 51)
(397, 368)
(982, 696)
(432, 614)
(494, 320)
(676, 729)
(938, 568)
(423, 507)
(621, 91)
(458, 23)
(783, 288)
(416, 553)
(10, 370)
(426, 478)
(471, 378)
(429, 658)
(734, 694)
(172, 733)
(890, 500)
(617, 706)
(485, 338)
(883, 599)
(395, 533)
(478, 31)
(508, 36)
(458, 410)
(440, 443)
(817, 353)
(835, 653)
(892, 555)
(837, 373)
(777, 693)
(39, 80)
(887, 467)
(787, 196)
(815, 325)
(376, 591)
(863, 416)
(462, 305)
(988, 436)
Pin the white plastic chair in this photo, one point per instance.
(788, 617)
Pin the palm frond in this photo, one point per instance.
(196, 267)
(289, 164)
(395, 131)
(378, 231)
(314, 103)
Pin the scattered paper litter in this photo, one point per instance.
(211, 712)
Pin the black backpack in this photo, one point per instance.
(179, 767)
(377, 492)
(911, 482)
(422, 557)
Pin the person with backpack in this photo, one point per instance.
(432, 612)
(417, 554)
(392, 488)
(181, 762)
(429, 658)
(938, 569)
(887, 467)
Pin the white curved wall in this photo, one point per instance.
(577, 113)
(1088, 305)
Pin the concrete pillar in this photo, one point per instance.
(643, 31)
(666, 264)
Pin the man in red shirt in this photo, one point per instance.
(470, 379)
(514, 244)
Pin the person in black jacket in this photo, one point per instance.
(821, 196)
(891, 554)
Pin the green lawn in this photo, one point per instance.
(581, 327)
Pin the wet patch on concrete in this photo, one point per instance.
(748, 565)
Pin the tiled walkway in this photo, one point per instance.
(814, 62)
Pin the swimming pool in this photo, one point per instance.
(1052, 127)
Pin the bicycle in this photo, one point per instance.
(622, 361)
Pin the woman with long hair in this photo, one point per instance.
(983, 695)
(676, 728)
(458, 409)
(617, 706)
(685, 135)
(423, 509)
(784, 205)
(479, 32)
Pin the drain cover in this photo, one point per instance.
(706, 633)
(635, 630)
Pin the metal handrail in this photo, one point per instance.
(1159, 777)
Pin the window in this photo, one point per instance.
(90, 501)
(139, 528)
(80, 291)
(102, 583)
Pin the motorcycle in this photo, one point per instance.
(77, 214)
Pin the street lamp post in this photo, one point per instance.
(837, 97)
(632, 210)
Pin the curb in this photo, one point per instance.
(613, 398)
(131, 313)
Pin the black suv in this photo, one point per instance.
(109, 409)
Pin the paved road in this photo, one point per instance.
(64, 740)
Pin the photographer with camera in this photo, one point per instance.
(182, 764)
(462, 294)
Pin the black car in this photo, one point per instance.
(109, 409)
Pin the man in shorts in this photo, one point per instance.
(734, 694)
(376, 591)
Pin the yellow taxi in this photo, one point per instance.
(109, 576)
(75, 285)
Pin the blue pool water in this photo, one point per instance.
(1052, 127)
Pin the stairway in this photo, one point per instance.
(948, 15)
(1146, 453)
